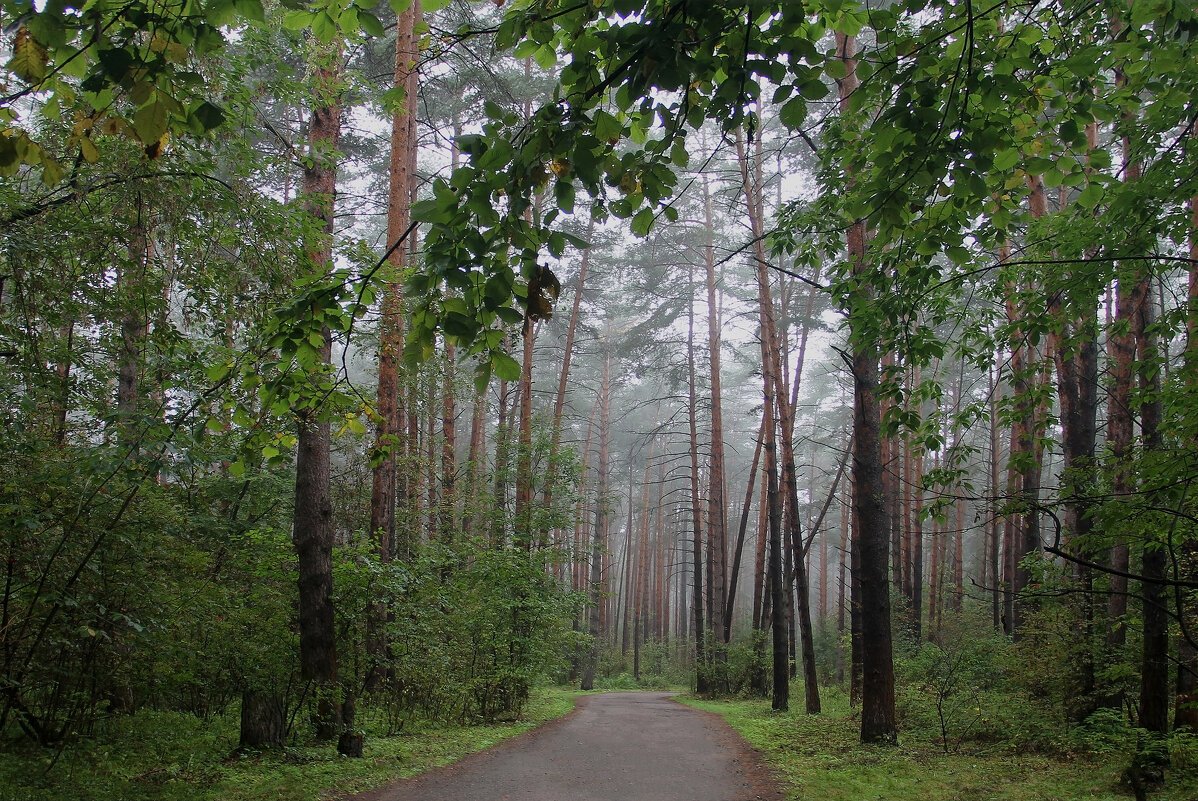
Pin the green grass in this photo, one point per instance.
(820, 758)
(174, 756)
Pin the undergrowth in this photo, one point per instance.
(821, 757)
(175, 756)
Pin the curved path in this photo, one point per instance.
(613, 747)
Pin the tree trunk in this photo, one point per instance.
(1025, 467)
(777, 394)
(878, 722)
(449, 495)
(524, 521)
(701, 685)
(1154, 672)
(781, 672)
(1185, 706)
(559, 400)
(744, 524)
(263, 723)
(1120, 432)
(312, 529)
(599, 534)
(388, 430)
(717, 522)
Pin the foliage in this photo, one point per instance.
(821, 756)
(172, 755)
(959, 686)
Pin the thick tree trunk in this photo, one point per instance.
(1075, 353)
(878, 722)
(1120, 433)
(383, 496)
(312, 530)
(263, 724)
(992, 523)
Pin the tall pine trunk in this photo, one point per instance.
(312, 529)
(872, 535)
(388, 430)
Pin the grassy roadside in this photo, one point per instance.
(165, 758)
(820, 758)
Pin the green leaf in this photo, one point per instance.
(563, 193)
(794, 113)
(607, 127)
(525, 49)
(642, 222)
(1006, 159)
(482, 377)
(295, 20)
(323, 27)
(371, 25)
(209, 115)
(679, 156)
(546, 57)
(507, 368)
(428, 211)
(250, 9)
(150, 122)
(1090, 197)
(509, 315)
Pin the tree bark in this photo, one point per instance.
(878, 721)
(701, 684)
(717, 521)
(1185, 707)
(599, 533)
(1154, 668)
(312, 530)
(777, 394)
(388, 429)
(263, 723)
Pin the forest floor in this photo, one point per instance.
(821, 757)
(169, 757)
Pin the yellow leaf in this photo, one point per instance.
(28, 57)
(88, 148)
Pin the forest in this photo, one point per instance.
(369, 364)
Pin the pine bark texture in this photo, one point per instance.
(872, 541)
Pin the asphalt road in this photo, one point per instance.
(613, 747)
